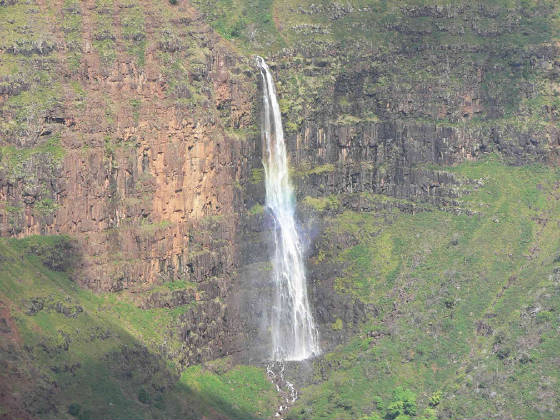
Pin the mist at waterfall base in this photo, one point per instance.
(293, 333)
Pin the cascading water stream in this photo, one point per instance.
(294, 335)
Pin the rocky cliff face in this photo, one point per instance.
(376, 96)
(140, 145)
(134, 128)
(137, 151)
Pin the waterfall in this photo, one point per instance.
(294, 335)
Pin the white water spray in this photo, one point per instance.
(294, 335)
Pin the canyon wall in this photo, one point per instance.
(144, 145)
(137, 149)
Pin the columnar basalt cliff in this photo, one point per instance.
(137, 157)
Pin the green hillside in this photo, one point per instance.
(465, 304)
(75, 354)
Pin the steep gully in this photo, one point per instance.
(294, 334)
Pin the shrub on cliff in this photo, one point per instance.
(74, 409)
(144, 396)
(59, 253)
(403, 404)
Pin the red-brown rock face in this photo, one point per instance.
(148, 162)
(149, 155)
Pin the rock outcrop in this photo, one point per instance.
(139, 156)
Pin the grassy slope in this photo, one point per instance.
(104, 357)
(467, 305)
(434, 277)
(108, 358)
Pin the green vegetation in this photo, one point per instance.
(184, 66)
(28, 76)
(74, 409)
(101, 350)
(148, 229)
(257, 176)
(133, 31)
(57, 253)
(45, 207)
(387, 52)
(337, 325)
(236, 387)
(33, 168)
(256, 209)
(322, 203)
(13, 160)
(179, 285)
(249, 22)
(403, 404)
(104, 36)
(72, 28)
(460, 300)
(316, 170)
(136, 104)
(446, 288)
